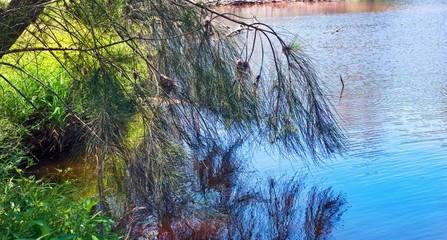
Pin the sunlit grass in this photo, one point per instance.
(4, 3)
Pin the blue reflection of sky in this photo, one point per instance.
(394, 110)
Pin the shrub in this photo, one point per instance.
(31, 208)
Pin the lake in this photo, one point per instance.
(392, 56)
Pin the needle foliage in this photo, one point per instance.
(146, 87)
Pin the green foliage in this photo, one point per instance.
(34, 209)
(11, 153)
(44, 97)
(3, 4)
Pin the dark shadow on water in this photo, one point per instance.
(223, 200)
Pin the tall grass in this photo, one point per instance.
(11, 152)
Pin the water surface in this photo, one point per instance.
(392, 56)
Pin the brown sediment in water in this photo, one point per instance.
(293, 9)
(253, 2)
(63, 169)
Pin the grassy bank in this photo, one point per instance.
(37, 209)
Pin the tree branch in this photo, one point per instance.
(16, 18)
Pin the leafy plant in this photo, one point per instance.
(36, 209)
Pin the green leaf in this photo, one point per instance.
(67, 237)
(43, 236)
(90, 203)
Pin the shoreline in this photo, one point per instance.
(253, 2)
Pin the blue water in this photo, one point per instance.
(392, 56)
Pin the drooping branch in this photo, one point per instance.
(294, 112)
(16, 18)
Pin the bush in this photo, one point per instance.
(31, 208)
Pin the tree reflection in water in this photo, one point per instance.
(225, 204)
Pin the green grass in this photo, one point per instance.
(34, 209)
(3, 4)
(37, 209)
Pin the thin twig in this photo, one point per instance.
(21, 94)
(342, 86)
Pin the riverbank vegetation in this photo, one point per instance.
(157, 96)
